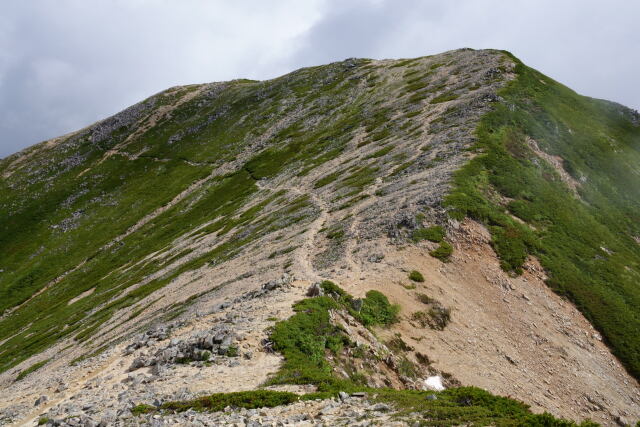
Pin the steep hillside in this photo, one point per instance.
(200, 216)
(560, 180)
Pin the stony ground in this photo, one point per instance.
(344, 411)
(511, 336)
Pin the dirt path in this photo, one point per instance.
(352, 242)
(78, 384)
(304, 254)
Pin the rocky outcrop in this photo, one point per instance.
(205, 346)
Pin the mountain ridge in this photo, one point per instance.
(333, 170)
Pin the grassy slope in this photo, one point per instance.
(114, 194)
(596, 139)
(585, 243)
(302, 119)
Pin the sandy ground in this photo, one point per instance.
(511, 336)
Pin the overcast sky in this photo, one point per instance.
(67, 63)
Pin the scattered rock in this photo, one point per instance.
(381, 407)
(375, 258)
(315, 290)
(622, 421)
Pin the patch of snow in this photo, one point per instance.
(434, 383)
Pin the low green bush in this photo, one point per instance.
(376, 310)
(31, 369)
(433, 234)
(332, 289)
(442, 252)
(416, 276)
(304, 337)
(217, 402)
(142, 409)
(468, 406)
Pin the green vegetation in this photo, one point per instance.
(376, 310)
(400, 168)
(328, 179)
(304, 340)
(351, 202)
(359, 179)
(281, 252)
(416, 276)
(217, 402)
(417, 97)
(455, 406)
(424, 298)
(381, 152)
(142, 409)
(62, 211)
(405, 63)
(443, 98)
(233, 351)
(437, 317)
(31, 369)
(397, 344)
(468, 406)
(442, 252)
(304, 337)
(600, 145)
(433, 234)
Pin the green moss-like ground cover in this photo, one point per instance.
(585, 242)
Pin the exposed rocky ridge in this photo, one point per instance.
(384, 141)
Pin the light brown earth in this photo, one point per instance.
(512, 336)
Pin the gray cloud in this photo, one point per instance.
(67, 63)
(588, 45)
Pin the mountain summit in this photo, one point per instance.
(385, 240)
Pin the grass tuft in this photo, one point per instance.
(31, 369)
(433, 234)
(416, 276)
(442, 252)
